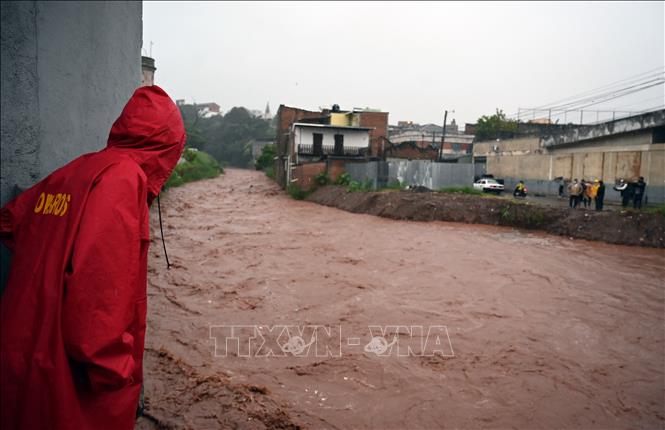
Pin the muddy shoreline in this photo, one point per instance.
(628, 228)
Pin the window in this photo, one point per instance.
(456, 147)
(339, 144)
(317, 148)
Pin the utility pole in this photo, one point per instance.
(443, 135)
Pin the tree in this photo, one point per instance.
(267, 157)
(190, 119)
(229, 137)
(495, 127)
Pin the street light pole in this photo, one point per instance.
(443, 135)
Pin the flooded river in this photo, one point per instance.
(340, 320)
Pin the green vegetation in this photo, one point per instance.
(322, 179)
(344, 179)
(505, 213)
(516, 215)
(462, 190)
(495, 127)
(296, 192)
(365, 186)
(657, 209)
(227, 137)
(395, 185)
(270, 172)
(198, 165)
(267, 158)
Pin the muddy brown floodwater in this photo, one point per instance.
(540, 331)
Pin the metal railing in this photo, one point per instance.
(304, 149)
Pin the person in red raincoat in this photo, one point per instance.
(74, 310)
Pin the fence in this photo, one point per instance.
(424, 173)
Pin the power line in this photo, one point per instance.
(600, 98)
(647, 83)
(660, 97)
(605, 90)
(624, 93)
(605, 94)
(654, 72)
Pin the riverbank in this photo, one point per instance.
(616, 227)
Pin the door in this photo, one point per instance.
(339, 144)
(317, 147)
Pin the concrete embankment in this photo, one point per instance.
(625, 227)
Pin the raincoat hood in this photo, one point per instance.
(150, 131)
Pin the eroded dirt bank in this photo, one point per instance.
(545, 332)
(630, 228)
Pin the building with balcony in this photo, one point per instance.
(311, 142)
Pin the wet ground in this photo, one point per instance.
(366, 322)
(608, 205)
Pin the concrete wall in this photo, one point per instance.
(626, 155)
(517, 146)
(68, 68)
(539, 171)
(574, 134)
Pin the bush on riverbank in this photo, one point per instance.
(266, 159)
(463, 190)
(197, 165)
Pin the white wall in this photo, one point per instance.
(352, 138)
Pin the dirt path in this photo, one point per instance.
(545, 332)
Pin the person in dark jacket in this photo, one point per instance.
(586, 201)
(625, 190)
(638, 193)
(600, 196)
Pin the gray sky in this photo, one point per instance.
(411, 59)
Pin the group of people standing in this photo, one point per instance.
(584, 192)
(631, 191)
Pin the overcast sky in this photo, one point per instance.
(411, 59)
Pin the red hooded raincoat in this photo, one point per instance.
(74, 310)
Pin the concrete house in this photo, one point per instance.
(311, 142)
